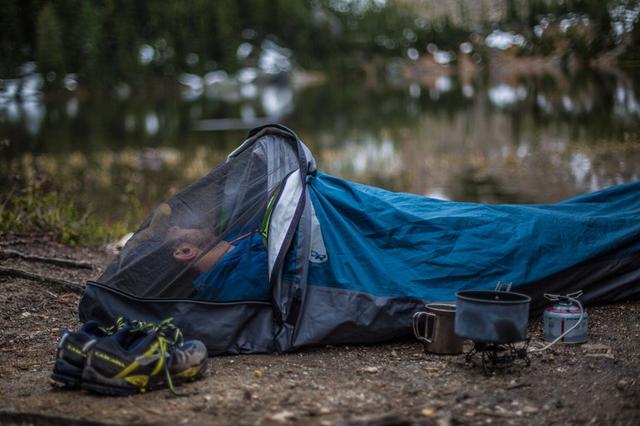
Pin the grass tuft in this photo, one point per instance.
(35, 210)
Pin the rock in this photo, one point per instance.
(319, 412)
(622, 384)
(428, 412)
(281, 417)
(157, 411)
(115, 246)
(258, 374)
(598, 350)
(371, 370)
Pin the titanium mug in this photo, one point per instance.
(435, 329)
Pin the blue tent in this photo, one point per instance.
(341, 262)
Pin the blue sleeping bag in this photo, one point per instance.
(396, 244)
(240, 275)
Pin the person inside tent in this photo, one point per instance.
(234, 270)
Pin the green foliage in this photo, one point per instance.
(101, 39)
(88, 42)
(33, 210)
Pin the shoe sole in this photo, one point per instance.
(66, 381)
(95, 382)
(66, 374)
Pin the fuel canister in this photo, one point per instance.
(561, 317)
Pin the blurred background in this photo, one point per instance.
(107, 107)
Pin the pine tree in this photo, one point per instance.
(90, 29)
(49, 48)
(11, 38)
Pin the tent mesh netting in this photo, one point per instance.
(174, 253)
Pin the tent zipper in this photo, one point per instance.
(161, 300)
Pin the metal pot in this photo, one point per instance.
(497, 317)
(437, 333)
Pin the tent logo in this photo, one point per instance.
(318, 251)
(318, 257)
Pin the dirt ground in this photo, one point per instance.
(385, 384)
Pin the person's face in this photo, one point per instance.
(194, 236)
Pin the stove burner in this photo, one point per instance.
(494, 356)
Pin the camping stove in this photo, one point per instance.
(496, 356)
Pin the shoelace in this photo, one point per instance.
(121, 322)
(168, 335)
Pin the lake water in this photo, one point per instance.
(536, 140)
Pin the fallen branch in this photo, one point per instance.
(19, 273)
(52, 260)
(518, 385)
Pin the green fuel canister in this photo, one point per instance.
(561, 317)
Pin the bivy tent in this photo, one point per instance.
(266, 253)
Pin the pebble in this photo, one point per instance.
(281, 417)
(428, 412)
(371, 370)
(257, 374)
(622, 384)
(595, 348)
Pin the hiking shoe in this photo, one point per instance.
(72, 349)
(147, 357)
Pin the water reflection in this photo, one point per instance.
(504, 95)
(540, 138)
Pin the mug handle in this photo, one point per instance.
(430, 316)
(416, 326)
